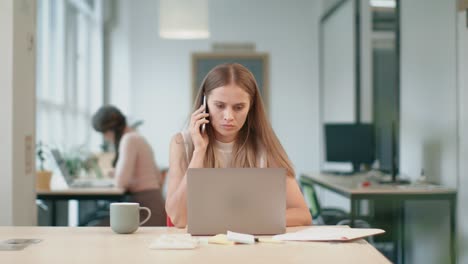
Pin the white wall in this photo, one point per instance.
(339, 61)
(428, 90)
(366, 63)
(117, 32)
(338, 96)
(428, 120)
(6, 92)
(339, 49)
(17, 107)
(327, 4)
(463, 134)
(160, 70)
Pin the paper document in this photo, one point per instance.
(329, 233)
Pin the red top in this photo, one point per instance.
(169, 222)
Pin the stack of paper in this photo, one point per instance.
(329, 233)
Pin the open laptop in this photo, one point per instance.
(78, 183)
(251, 201)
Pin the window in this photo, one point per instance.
(69, 72)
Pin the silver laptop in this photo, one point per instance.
(78, 183)
(251, 201)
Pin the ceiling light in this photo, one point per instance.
(183, 19)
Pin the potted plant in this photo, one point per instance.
(82, 163)
(43, 176)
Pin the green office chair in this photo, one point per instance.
(335, 216)
(326, 216)
(311, 199)
(321, 216)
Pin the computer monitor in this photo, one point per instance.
(350, 143)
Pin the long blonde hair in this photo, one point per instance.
(256, 131)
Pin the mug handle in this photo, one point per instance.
(148, 217)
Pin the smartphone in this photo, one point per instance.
(204, 111)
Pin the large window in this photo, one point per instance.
(69, 72)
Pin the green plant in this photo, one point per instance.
(78, 159)
(73, 165)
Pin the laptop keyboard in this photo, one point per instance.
(101, 183)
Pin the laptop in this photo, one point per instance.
(78, 183)
(249, 200)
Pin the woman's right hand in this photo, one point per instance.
(200, 140)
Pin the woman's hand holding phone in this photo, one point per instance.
(198, 119)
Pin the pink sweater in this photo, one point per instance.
(136, 169)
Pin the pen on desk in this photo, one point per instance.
(268, 240)
(249, 239)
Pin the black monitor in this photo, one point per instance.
(350, 143)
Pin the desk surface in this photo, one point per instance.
(351, 185)
(101, 245)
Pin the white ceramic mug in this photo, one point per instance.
(125, 217)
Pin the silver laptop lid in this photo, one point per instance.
(247, 200)
(61, 164)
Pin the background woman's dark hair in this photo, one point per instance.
(109, 118)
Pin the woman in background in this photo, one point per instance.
(135, 168)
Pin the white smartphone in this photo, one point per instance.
(204, 111)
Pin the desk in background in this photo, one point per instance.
(350, 187)
(101, 245)
(80, 194)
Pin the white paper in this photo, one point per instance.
(240, 238)
(329, 233)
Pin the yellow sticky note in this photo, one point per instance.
(220, 239)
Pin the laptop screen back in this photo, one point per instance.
(62, 165)
(244, 200)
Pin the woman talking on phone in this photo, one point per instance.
(236, 134)
(135, 168)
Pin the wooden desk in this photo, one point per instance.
(350, 186)
(101, 245)
(80, 194)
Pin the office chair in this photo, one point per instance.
(99, 213)
(328, 216)
(321, 216)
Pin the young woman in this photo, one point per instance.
(135, 168)
(237, 134)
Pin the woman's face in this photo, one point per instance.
(228, 108)
(109, 136)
